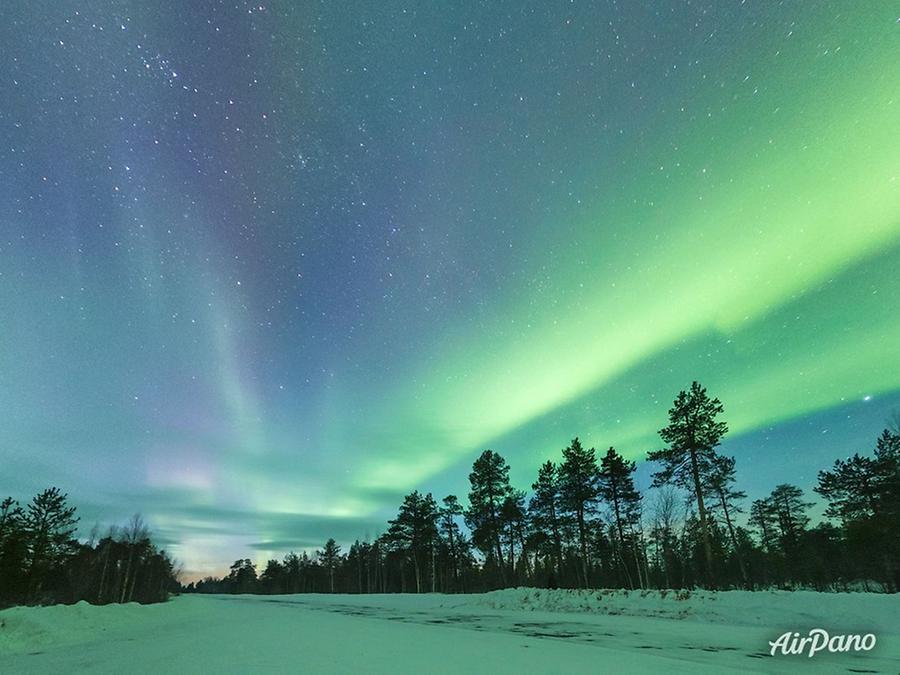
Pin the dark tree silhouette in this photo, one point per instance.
(578, 489)
(515, 524)
(544, 546)
(546, 512)
(330, 556)
(448, 513)
(42, 562)
(48, 525)
(615, 486)
(692, 435)
(242, 577)
(414, 532)
(718, 482)
(489, 482)
(862, 492)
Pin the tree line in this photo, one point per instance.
(585, 524)
(42, 562)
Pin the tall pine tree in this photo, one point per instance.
(490, 486)
(414, 531)
(546, 512)
(331, 558)
(49, 525)
(616, 487)
(692, 435)
(578, 489)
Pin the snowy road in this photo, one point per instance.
(388, 634)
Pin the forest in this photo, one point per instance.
(42, 562)
(584, 524)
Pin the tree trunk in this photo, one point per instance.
(418, 576)
(557, 543)
(734, 543)
(621, 531)
(582, 535)
(512, 553)
(453, 558)
(637, 566)
(103, 574)
(133, 581)
(522, 547)
(704, 525)
(127, 572)
(496, 530)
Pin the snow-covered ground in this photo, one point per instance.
(512, 631)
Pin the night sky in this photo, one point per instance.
(266, 268)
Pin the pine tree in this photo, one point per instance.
(787, 511)
(692, 436)
(545, 510)
(863, 493)
(358, 561)
(578, 490)
(615, 486)
(790, 512)
(272, 578)
(414, 531)
(48, 526)
(851, 489)
(762, 519)
(490, 486)
(330, 557)
(291, 565)
(242, 576)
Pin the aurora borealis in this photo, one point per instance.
(264, 268)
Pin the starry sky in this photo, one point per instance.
(265, 268)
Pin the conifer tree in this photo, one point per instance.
(616, 487)
(272, 578)
(790, 512)
(330, 557)
(578, 489)
(414, 531)
(490, 486)
(545, 509)
(48, 526)
(242, 576)
(692, 435)
(762, 518)
(851, 488)
(863, 493)
(291, 564)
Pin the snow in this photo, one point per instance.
(510, 631)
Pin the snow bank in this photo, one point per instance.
(803, 609)
(39, 627)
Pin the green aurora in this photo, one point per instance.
(262, 293)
